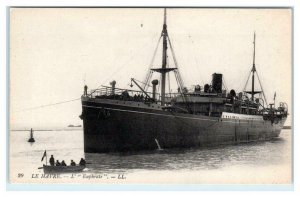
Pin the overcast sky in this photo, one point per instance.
(53, 50)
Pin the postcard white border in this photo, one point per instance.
(140, 3)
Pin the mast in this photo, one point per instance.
(164, 59)
(253, 70)
(163, 70)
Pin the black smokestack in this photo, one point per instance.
(217, 83)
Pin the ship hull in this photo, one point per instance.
(111, 127)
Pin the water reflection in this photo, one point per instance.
(253, 154)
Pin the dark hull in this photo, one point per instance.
(121, 127)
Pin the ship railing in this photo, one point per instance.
(126, 94)
(119, 93)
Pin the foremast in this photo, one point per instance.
(164, 59)
(253, 70)
(164, 69)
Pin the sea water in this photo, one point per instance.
(255, 162)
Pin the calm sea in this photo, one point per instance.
(259, 162)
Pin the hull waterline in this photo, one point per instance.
(111, 127)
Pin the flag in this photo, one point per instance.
(45, 154)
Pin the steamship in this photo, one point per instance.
(116, 119)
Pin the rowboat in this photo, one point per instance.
(62, 169)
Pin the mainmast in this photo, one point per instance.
(253, 70)
(164, 59)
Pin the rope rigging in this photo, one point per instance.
(224, 84)
(260, 85)
(148, 85)
(253, 72)
(118, 69)
(195, 58)
(262, 89)
(122, 66)
(168, 76)
(178, 77)
(48, 105)
(176, 64)
(150, 72)
(247, 80)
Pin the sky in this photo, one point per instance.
(55, 51)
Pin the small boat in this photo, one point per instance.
(62, 169)
(31, 139)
